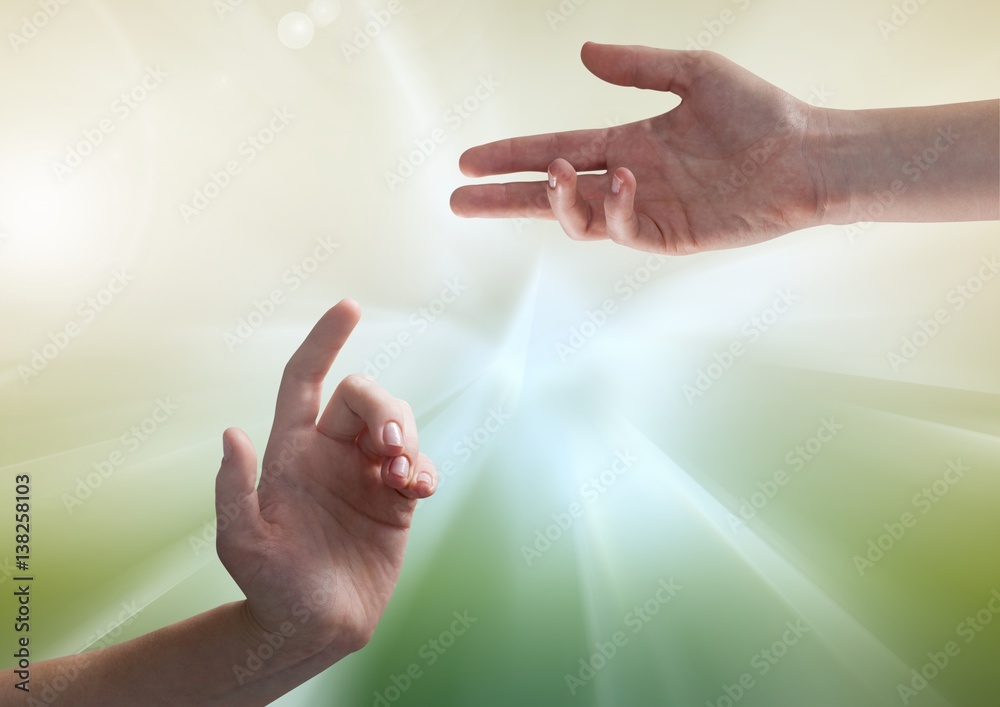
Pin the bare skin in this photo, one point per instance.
(317, 548)
(739, 161)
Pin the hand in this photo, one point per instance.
(729, 166)
(319, 544)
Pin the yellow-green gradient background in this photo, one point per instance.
(141, 539)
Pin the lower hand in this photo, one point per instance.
(318, 546)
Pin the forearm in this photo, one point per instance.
(217, 658)
(928, 164)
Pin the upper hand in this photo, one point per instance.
(320, 543)
(729, 166)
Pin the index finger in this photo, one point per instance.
(583, 148)
(301, 389)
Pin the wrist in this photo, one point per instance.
(294, 641)
(831, 145)
(262, 652)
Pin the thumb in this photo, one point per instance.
(645, 67)
(236, 506)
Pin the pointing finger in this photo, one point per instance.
(301, 387)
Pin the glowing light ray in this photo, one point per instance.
(918, 421)
(856, 647)
(506, 374)
(407, 81)
(878, 379)
(147, 582)
(595, 567)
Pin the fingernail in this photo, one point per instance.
(399, 468)
(616, 184)
(227, 450)
(552, 181)
(423, 478)
(392, 435)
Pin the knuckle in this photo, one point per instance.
(704, 60)
(359, 381)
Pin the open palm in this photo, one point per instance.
(729, 166)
